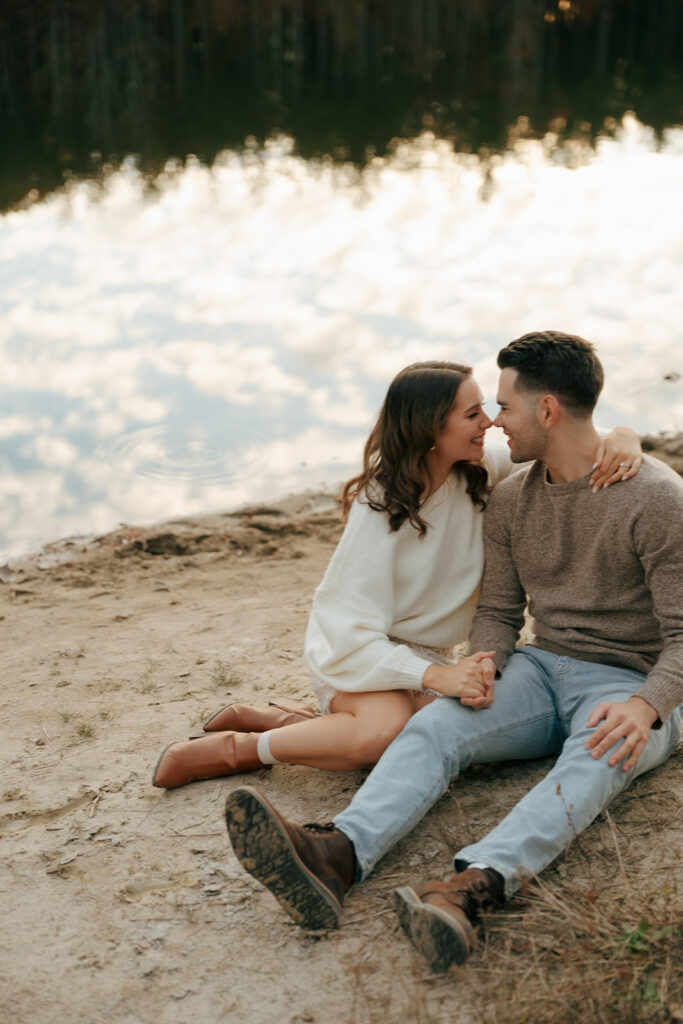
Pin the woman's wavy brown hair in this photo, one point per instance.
(395, 467)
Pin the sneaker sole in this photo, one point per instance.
(264, 849)
(440, 939)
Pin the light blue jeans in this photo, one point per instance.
(541, 707)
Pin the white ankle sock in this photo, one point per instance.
(263, 751)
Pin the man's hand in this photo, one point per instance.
(488, 676)
(630, 721)
(471, 680)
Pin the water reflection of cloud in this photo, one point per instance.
(11, 426)
(244, 375)
(49, 451)
(281, 296)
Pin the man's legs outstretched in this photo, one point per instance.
(308, 870)
(437, 744)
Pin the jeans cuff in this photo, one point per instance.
(362, 868)
(512, 881)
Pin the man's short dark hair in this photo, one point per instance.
(562, 364)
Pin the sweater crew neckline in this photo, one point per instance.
(571, 487)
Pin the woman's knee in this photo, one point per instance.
(372, 737)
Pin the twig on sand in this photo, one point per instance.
(616, 847)
(363, 918)
(196, 835)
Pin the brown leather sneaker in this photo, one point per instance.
(439, 917)
(308, 869)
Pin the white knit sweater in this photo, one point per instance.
(383, 584)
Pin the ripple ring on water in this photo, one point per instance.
(168, 452)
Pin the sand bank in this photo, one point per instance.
(122, 903)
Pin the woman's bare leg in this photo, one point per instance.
(355, 735)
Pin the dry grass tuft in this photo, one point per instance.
(223, 675)
(600, 954)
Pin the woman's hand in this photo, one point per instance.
(619, 456)
(471, 680)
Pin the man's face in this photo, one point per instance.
(517, 417)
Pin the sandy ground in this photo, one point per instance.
(124, 904)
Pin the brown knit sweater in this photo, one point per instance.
(603, 573)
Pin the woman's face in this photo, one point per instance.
(462, 438)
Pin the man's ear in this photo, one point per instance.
(548, 411)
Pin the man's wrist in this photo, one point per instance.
(653, 714)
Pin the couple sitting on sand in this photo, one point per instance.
(601, 686)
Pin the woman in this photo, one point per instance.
(399, 593)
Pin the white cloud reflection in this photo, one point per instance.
(248, 316)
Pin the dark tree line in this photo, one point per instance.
(162, 77)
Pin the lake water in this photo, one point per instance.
(226, 334)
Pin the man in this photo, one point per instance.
(601, 687)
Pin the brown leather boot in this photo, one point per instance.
(209, 757)
(246, 718)
(308, 869)
(439, 917)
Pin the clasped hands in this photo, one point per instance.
(471, 680)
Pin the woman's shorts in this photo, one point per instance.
(435, 655)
